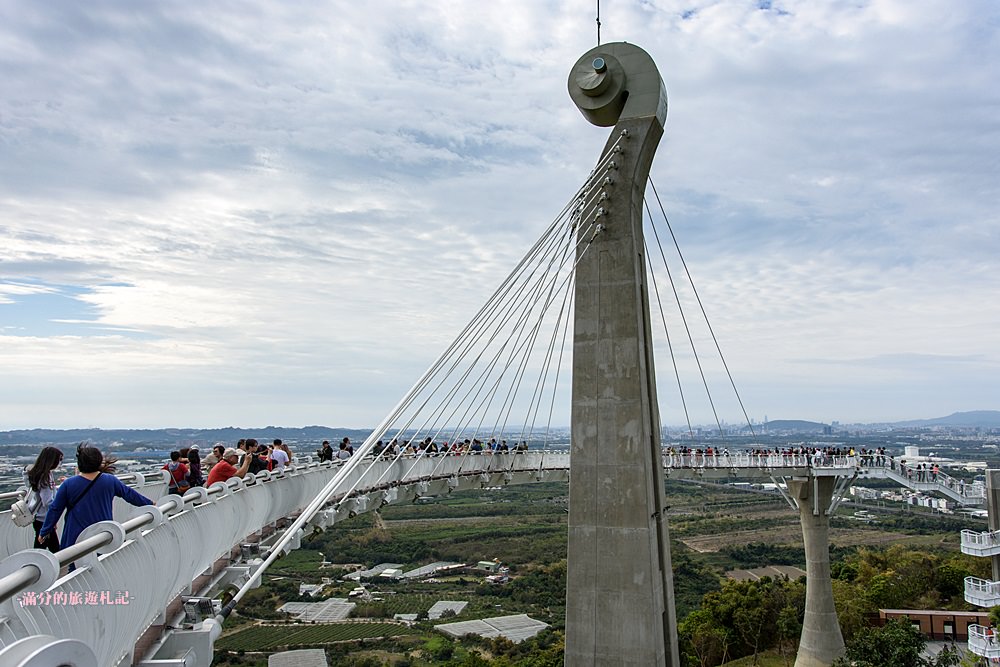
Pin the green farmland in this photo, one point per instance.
(268, 637)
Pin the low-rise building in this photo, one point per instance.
(938, 624)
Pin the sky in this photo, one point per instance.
(216, 213)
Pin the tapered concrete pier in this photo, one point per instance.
(821, 642)
(619, 601)
(993, 511)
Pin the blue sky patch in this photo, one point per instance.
(58, 310)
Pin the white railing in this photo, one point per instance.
(153, 557)
(755, 460)
(747, 464)
(981, 592)
(981, 543)
(983, 642)
(928, 478)
(14, 538)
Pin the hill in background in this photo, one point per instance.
(170, 438)
(972, 419)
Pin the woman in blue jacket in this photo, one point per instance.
(86, 497)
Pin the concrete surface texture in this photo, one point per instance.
(993, 511)
(620, 607)
(821, 641)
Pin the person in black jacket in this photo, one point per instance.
(325, 452)
(256, 463)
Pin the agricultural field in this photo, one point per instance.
(269, 637)
(791, 534)
(714, 529)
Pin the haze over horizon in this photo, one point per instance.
(994, 414)
(221, 214)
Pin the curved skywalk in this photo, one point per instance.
(153, 556)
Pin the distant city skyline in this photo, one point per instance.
(959, 421)
(283, 215)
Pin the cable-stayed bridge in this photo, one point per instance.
(576, 305)
(149, 553)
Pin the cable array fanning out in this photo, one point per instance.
(500, 377)
(652, 222)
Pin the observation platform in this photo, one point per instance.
(984, 642)
(985, 543)
(981, 592)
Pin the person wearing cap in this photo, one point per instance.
(226, 468)
(325, 452)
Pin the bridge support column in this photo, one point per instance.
(993, 509)
(821, 641)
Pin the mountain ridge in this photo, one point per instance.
(988, 419)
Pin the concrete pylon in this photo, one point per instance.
(821, 641)
(993, 511)
(619, 600)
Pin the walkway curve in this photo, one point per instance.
(34, 601)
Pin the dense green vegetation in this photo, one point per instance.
(748, 617)
(525, 527)
(520, 525)
(896, 644)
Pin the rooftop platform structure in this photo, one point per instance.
(327, 611)
(516, 628)
(309, 657)
(441, 606)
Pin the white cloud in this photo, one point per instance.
(284, 213)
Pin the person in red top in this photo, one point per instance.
(226, 468)
(178, 474)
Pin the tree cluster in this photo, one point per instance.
(747, 617)
(743, 618)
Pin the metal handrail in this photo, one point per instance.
(16, 582)
(983, 585)
(17, 495)
(983, 641)
(990, 537)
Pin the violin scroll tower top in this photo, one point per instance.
(617, 81)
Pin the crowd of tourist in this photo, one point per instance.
(86, 497)
(416, 448)
(816, 457)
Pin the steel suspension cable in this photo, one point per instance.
(334, 484)
(540, 253)
(687, 328)
(580, 192)
(704, 314)
(666, 331)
